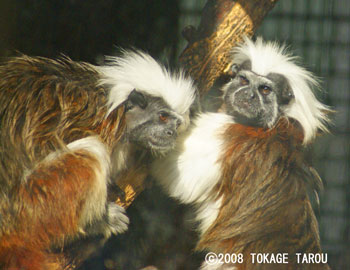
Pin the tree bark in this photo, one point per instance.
(132, 184)
(223, 24)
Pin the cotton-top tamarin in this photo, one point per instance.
(245, 170)
(64, 127)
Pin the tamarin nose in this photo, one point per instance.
(170, 132)
(249, 94)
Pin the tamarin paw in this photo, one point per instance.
(117, 219)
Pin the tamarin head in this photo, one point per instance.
(157, 102)
(267, 84)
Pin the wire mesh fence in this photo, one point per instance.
(318, 32)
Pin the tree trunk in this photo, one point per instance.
(223, 24)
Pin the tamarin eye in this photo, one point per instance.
(264, 90)
(243, 80)
(163, 116)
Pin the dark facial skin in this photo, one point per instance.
(256, 100)
(151, 123)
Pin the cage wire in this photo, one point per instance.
(318, 32)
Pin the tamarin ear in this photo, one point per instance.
(235, 68)
(136, 98)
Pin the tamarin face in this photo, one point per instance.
(268, 84)
(256, 100)
(151, 123)
(157, 102)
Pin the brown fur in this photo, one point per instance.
(44, 105)
(48, 207)
(266, 208)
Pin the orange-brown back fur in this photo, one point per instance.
(45, 105)
(265, 206)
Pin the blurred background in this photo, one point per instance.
(161, 231)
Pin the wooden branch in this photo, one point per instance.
(223, 24)
(132, 184)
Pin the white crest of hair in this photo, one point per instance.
(270, 57)
(191, 171)
(138, 70)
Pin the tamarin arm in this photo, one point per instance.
(65, 192)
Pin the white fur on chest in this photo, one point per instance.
(190, 172)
